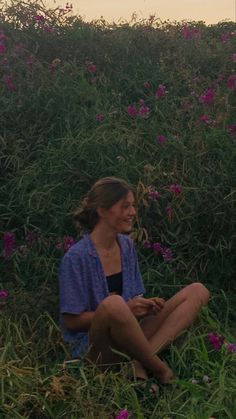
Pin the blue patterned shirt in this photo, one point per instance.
(83, 283)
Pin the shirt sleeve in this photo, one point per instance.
(139, 285)
(73, 296)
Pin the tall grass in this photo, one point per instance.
(66, 86)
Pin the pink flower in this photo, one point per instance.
(8, 80)
(161, 139)
(157, 247)
(216, 340)
(66, 243)
(9, 243)
(231, 82)
(3, 49)
(124, 414)
(39, 18)
(167, 254)
(225, 37)
(161, 91)
(196, 33)
(234, 58)
(146, 85)
(232, 129)
(207, 97)
(91, 67)
(187, 33)
(205, 118)
(144, 111)
(100, 117)
(147, 245)
(132, 111)
(141, 101)
(231, 348)
(175, 188)
(153, 194)
(3, 294)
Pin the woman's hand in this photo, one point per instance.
(142, 307)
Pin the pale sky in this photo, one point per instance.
(210, 11)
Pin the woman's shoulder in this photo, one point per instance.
(78, 250)
(126, 241)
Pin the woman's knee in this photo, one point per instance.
(199, 291)
(113, 306)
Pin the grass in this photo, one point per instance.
(52, 148)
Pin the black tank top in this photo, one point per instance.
(114, 283)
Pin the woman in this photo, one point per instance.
(101, 289)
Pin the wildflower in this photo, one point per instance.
(144, 111)
(216, 340)
(47, 28)
(231, 348)
(3, 49)
(234, 58)
(161, 139)
(194, 381)
(205, 379)
(124, 414)
(39, 18)
(5, 62)
(157, 247)
(66, 243)
(175, 188)
(167, 254)
(196, 33)
(100, 117)
(225, 37)
(32, 237)
(132, 111)
(147, 245)
(153, 194)
(232, 129)
(207, 97)
(91, 67)
(206, 119)
(161, 91)
(187, 33)
(141, 101)
(3, 294)
(9, 242)
(231, 82)
(146, 85)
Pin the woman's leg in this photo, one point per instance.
(178, 313)
(115, 326)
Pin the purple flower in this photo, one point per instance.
(124, 414)
(100, 117)
(231, 82)
(132, 111)
(157, 247)
(205, 119)
(231, 348)
(232, 129)
(146, 85)
(187, 33)
(39, 18)
(8, 80)
(225, 37)
(216, 340)
(3, 294)
(147, 245)
(153, 194)
(161, 139)
(167, 254)
(9, 242)
(3, 49)
(32, 237)
(91, 67)
(161, 91)
(66, 243)
(175, 188)
(207, 97)
(144, 111)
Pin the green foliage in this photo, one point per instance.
(52, 149)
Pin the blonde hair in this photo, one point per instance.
(104, 193)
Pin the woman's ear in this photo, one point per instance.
(101, 211)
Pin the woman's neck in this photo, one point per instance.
(104, 238)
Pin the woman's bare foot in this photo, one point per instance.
(164, 374)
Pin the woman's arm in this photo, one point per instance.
(80, 322)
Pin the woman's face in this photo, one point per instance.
(121, 215)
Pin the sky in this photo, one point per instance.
(209, 11)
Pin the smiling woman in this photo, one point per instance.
(101, 289)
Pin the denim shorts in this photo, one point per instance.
(79, 348)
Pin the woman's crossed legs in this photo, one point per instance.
(115, 326)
